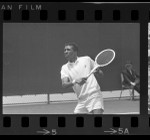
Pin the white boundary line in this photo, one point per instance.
(61, 102)
(63, 98)
(127, 113)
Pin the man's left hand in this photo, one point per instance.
(99, 71)
(81, 81)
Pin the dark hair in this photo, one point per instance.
(128, 63)
(74, 46)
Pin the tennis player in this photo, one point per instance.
(90, 100)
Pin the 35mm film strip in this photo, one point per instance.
(46, 46)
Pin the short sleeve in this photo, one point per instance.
(92, 63)
(64, 72)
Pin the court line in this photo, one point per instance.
(60, 102)
(39, 103)
(69, 101)
(126, 113)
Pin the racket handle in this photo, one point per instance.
(89, 75)
(92, 71)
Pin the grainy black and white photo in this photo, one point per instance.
(47, 68)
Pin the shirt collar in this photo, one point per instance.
(72, 63)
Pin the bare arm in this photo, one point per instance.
(99, 71)
(66, 83)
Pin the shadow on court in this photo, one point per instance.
(123, 106)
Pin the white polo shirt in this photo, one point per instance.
(81, 68)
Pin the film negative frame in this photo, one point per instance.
(81, 12)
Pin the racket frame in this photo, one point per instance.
(97, 65)
(101, 53)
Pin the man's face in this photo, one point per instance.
(129, 67)
(68, 52)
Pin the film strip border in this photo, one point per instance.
(81, 13)
(74, 125)
(71, 12)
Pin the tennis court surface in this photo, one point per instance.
(112, 106)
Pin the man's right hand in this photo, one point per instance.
(132, 83)
(81, 81)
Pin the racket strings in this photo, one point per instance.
(105, 57)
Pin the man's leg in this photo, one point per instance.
(80, 109)
(95, 105)
(137, 88)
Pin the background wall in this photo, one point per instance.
(33, 53)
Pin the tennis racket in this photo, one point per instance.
(103, 59)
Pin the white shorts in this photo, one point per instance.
(87, 106)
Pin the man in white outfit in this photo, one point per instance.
(73, 73)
